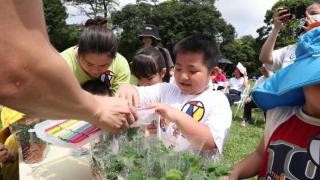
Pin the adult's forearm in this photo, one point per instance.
(34, 78)
(265, 56)
(42, 86)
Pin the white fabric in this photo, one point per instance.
(217, 114)
(277, 116)
(237, 84)
(241, 68)
(259, 81)
(282, 57)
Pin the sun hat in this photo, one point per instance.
(284, 88)
(151, 31)
(241, 68)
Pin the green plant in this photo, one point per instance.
(133, 156)
(22, 127)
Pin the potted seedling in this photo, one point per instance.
(31, 146)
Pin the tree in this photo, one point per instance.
(175, 19)
(61, 35)
(288, 34)
(242, 50)
(95, 7)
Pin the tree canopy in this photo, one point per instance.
(175, 20)
(61, 35)
(95, 7)
(288, 34)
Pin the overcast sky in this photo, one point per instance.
(245, 15)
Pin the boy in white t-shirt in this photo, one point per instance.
(189, 107)
(290, 147)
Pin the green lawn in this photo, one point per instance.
(243, 140)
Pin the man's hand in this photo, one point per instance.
(114, 114)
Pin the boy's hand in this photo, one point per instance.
(166, 111)
(151, 129)
(130, 93)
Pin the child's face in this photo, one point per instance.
(154, 79)
(191, 74)
(147, 41)
(312, 96)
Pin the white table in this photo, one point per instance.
(58, 164)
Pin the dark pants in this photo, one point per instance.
(233, 96)
(248, 109)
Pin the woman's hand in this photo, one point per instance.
(130, 93)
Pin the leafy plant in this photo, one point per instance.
(134, 156)
(21, 128)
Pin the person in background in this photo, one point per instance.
(249, 104)
(219, 79)
(280, 58)
(290, 146)
(96, 56)
(151, 38)
(237, 84)
(97, 87)
(189, 107)
(35, 79)
(220, 76)
(148, 66)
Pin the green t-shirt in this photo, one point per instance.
(119, 69)
(133, 80)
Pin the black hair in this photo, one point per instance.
(200, 44)
(96, 86)
(97, 38)
(146, 62)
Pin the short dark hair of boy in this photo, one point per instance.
(97, 38)
(200, 44)
(147, 62)
(96, 87)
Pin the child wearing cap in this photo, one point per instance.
(151, 38)
(237, 84)
(190, 107)
(290, 148)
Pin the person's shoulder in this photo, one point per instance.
(120, 62)
(69, 54)
(291, 47)
(216, 97)
(69, 51)
(281, 113)
(120, 57)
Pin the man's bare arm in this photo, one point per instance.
(34, 77)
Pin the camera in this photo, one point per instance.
(296, 12)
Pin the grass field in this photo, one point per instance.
(243, 140)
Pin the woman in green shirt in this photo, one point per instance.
(96, 56)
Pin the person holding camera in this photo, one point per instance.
(280, 58)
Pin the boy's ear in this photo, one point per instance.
(214, 72)
(163, 72)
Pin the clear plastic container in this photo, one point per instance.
(33, 149)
